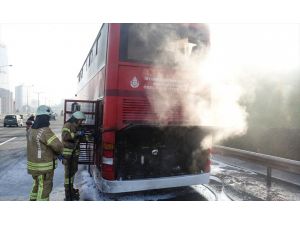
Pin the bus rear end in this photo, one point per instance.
(149, 138)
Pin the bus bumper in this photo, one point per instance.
(119, 186)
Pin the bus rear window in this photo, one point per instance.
(158, 43)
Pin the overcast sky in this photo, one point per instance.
(48, 56)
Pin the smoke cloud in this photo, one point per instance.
(208, 88)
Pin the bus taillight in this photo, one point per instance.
(108, 171)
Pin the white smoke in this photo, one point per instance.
(213, 83)
(242, 56)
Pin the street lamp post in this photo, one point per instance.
(38, 93)
(5, 66)
(27, 106)
(27, 101)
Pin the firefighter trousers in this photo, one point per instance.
(71, 167)
(42, 187)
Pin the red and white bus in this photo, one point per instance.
(140, 144)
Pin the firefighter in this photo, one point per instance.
(71, 135)
(43, 147)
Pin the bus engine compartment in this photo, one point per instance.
(145, 151)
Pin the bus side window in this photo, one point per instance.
(102, 45)
(95, 47)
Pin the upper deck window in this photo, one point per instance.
(102, 45)
(158, 43)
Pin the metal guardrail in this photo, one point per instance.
(269, 161)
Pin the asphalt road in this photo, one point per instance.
(231, 181)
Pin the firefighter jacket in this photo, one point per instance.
(70, 140)
(43, 146)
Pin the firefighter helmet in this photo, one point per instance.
(43, 110)
(79, 115)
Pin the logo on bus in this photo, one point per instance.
(134, 83)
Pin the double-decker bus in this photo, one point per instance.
(143, 139)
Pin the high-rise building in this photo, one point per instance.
(24, 99)
(20, 98)
(5, 93)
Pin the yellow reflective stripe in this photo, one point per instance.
(40, 169)
(67, 151)
(33, 195)
(41, 166)
(68, 130)
(51, 139)
(41, 187)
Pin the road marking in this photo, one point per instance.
(7, 141)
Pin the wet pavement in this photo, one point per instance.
(242, 184)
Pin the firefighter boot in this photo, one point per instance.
(68, 196)
(75, 194)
